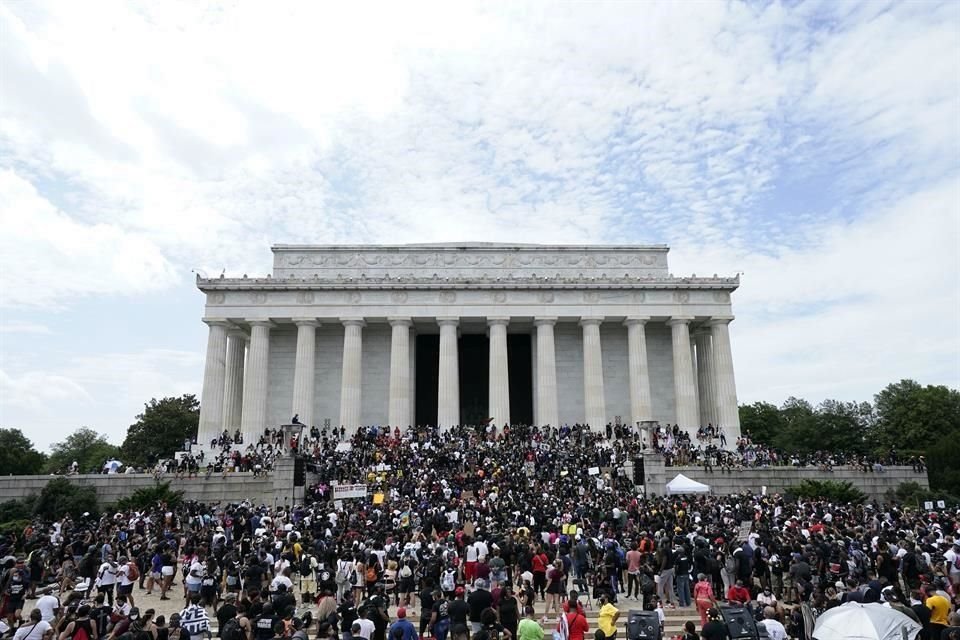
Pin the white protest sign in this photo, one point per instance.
(343, 491)
(594, 471)
(941, 504)
(928, 505)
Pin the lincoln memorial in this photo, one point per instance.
(444, 334)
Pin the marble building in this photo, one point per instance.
(461, 332)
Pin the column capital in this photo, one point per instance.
(353, 322)
(549, 321)
(217, 322)
(237, 333)
(448, 321)
(260, 322)
(586, 321)
(495, 320)
(641, 320)
(719, 320)
(400, 322)
(702, 330)
(679, 320)
(306, 322)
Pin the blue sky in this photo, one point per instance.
(813, 146)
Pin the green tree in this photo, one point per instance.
(85, 446)
(160, 430)
(921, 416)
(943, 471)
(843, 426)
(17, 454)
(761, 420)
(801, 431)
(60, 496)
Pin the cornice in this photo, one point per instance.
(404, 283)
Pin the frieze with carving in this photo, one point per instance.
(258, 297)
(398, 297)
(545, 297)
(448, 297)
(305, 297)
(216, 298)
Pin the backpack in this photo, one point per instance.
(133, 572)
(79, 632)
(231, 630)
(922, 565)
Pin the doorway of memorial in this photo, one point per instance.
(427, 379)
(474, 354)
(520, 368)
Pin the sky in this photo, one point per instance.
(813, 147)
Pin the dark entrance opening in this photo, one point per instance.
(520, 366)
(427, 383)
(474, 354)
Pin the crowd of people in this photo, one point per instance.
(710, 451)
(478, 530)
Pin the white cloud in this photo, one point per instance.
(45, 256)
(105, 391)
(25, 327)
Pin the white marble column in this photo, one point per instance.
(547, 408)
(304, 372)
(727, 412)
(696, 379)
(593, 400)
(683, 385)
(413, 376)
(448, 393)
(233, 388)
(351, 377)
(214, 374)
(641, 404)
(400, 388)
(254, 418)
(499, 389)
(705, 381)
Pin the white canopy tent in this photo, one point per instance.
(857, 621)
(683, 484)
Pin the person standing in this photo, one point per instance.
(715, 629)
(402, 629)
(607, 618)
(775, 629)
(194, 620)
(107, 578)
(529, 628)
(703, 597)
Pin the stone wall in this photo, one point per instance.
(777, 479)
(110, 488)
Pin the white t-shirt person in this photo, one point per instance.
(107, 573)
(33, 630)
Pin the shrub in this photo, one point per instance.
(148, 497)
(831, 490)
(16, 509)
(60, 497)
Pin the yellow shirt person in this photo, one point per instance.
(607, 618)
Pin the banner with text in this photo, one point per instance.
(343, 491)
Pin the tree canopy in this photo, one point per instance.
(18, 455)
(905, 416)
(160, 430)
(85, 446)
